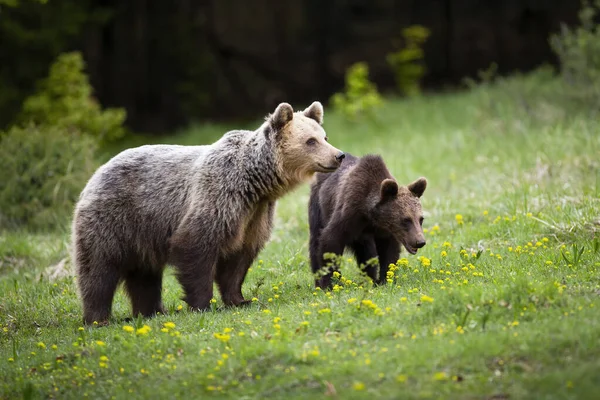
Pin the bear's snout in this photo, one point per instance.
(340, 156)
(420, 243)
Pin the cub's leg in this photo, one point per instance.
(364, 250)
(315, 225)
(331, 242)
(144, 290)
(388, 249)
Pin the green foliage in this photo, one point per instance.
(42, 172)
(360, 97)
(578, 50)
(33, 33)
(65, 101)
(407, 63)
(48, 157)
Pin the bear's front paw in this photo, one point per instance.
(324, 283)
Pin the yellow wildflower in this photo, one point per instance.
(427, 299)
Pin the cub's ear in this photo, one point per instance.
(389, 189)
(283, 114)
(315, 111)
(418, 187)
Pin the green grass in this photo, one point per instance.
(510, 310)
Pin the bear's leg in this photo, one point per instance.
(194, 256)
(144, 290)
(230, 274)
(331, 243)
(315, 225)
(364, 250)
(388, 249)
(97, 286)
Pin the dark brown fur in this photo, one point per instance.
(360, 206)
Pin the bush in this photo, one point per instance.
(578, 51)
(360, 97)
(42, 172)
(65, 101)
(407, 63)
(46, 160)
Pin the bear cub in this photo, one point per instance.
(360, 206)
(205, 210)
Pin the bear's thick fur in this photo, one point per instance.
(360, 206)
(207, 210)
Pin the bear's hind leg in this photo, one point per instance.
(97, 287)
(144, 290)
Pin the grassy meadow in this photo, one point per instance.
(502, 303)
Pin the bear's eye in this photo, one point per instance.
(311, 141)
(406, 222)
(421, 221)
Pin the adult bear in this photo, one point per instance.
(206, 210)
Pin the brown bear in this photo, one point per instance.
(206, 210)
(361, 206)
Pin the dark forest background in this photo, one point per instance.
(174, 61)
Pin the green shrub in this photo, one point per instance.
(64, 100)
(360, 97)
(47, 158)
(578, 51)
(407, 63)
(42, 172)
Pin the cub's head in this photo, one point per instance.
(302, 143)
(398, 211)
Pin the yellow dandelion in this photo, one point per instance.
(426, 299)
(169, 325)
(401, 378)
(358, 386)
(143, 330)
(41, 345)
(128, 328)
(440, 376)
(459, 219)
(100, 343)
(352, 300)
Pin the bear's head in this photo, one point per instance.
(398, 211)
(302, 143)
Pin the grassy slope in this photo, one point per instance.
(514, 321)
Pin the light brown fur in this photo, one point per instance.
(206, 210)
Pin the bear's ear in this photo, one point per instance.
(315, 111)
(283, 114)
(389, 189)
(418, 187)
